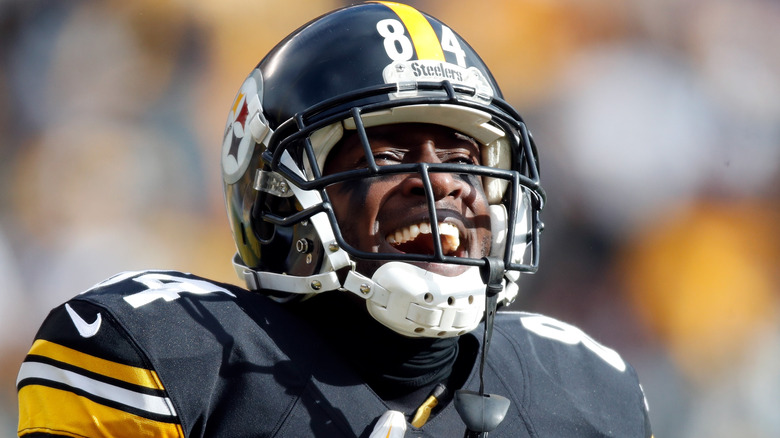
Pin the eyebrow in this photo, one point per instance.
(465, 137)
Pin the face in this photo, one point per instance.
(390, 214)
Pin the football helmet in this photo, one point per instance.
(361, 66)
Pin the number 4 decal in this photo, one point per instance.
(553, 329)
(169, 288)
(449, 43)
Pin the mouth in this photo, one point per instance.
(418, 239)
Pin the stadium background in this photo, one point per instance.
(658, 123)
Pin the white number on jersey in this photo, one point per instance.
(165, 286)
(553, 329)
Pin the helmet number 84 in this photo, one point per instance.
(399, 47)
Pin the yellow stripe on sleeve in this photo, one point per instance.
(424, 38)
(125, 373)
(49, 410)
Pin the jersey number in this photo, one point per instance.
(163, 286)
(553, 329)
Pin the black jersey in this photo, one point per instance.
(167, 354)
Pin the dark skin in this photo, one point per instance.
(371, 210)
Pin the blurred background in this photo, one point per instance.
(658, 124)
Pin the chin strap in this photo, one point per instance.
(482, 412)
(312, 284)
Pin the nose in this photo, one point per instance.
(443, 184)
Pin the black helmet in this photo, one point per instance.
(352, 69)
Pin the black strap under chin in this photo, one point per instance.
(482, 412)
(492, 275)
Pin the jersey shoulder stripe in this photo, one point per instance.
(43, 349)
(71, 377)
(44, 374)
(71, 410)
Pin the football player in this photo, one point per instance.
(384, 200)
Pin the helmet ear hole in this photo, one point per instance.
(294, 249)
(243, 235)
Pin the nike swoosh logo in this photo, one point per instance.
(86, 330)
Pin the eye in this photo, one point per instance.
(460, 158)
(387, 158)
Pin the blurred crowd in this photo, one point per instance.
(658, 123)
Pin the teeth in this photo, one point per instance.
(449, 232)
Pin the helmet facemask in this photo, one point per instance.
(510, 184)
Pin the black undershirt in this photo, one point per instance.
(400, 369)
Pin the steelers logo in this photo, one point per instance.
(238, 145)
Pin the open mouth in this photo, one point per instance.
(418, 239)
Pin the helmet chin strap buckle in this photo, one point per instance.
(482, 412)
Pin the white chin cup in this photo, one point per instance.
(418, 303)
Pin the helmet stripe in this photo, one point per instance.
(424, 38)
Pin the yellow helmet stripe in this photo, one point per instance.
(424, 38)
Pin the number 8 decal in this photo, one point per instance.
(397, 44)
(553, 329)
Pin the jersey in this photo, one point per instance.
(167, 354)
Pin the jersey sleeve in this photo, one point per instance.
(83, 376)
